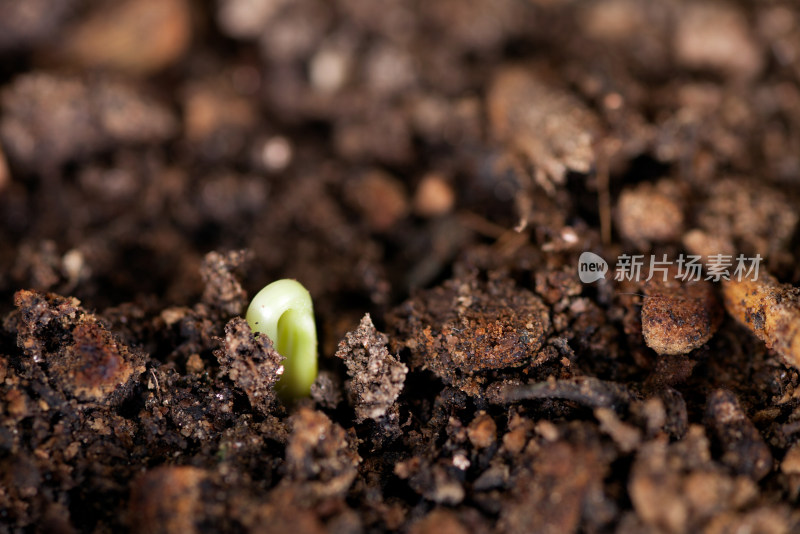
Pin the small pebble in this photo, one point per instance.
(381, 199)
(132, 36)
(650, 213)
(482, 431)
(434, 196)
(329, 69)
(677, 316)
(276, 153)
(715, 36)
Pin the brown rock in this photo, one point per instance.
(627, 437)
(705, 244)
(650, 213)
(749, 216)
(134, 36)
(433, 197)
(380, 198)
(791, 462)
(677, 316)
(519, 428)
(280, 513)
(95, 364)
(433, 481)
(717, 36)
(767, 519)
(571, 472)
(482, 431)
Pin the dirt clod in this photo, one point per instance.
(222, 289)
(89, 362)
(465, 329)
(251, 362)
(482, 431)
(321, 454)
(376, 377)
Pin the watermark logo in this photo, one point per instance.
(687, 268)
(591, 267)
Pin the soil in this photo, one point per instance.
(431, 172)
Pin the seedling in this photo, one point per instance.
(284, 312)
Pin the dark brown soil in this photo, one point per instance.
(431, 172)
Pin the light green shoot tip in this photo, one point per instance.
(284, 312)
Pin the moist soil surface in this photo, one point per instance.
(431, 172)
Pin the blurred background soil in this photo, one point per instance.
(441, 166)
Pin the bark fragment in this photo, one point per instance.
(770, 310)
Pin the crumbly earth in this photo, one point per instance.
(73, 348)
(251, 362)
(464, 329)
(376, 377)
(439, 166)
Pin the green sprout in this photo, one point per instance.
(284, 312)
